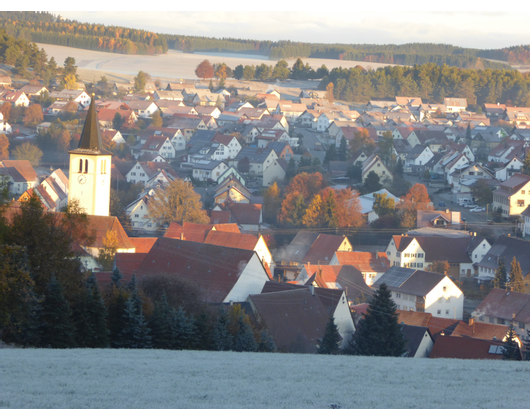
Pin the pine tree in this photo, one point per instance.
(244, 339)
(266, 343)
(330, 343)
(136, 333)
(516, 277)
(97, 316)
(500, 275)
(116, 277)
(379, 333)
(468, 132)
(202, 338)
(116, 302)
(527, 346)
(331, 154)
(222, 338)
(160, 325)
(182, 330)
(510, 349)
(58, 331)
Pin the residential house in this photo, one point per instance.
(31, 90)
(208, 170)
(248, 216)
(510, 197)
(80, 96)
(505, 308)
(20, 175)
(455, 104)
(15, 98)
(141, 172)
(419, 340)
(106, 117)
(5, 127)
(417, 158)
(176, 137)
(372, 265)
(160, 145)
(421, 251)
(376, 165)
(187, 124)
(438, 219)
(224, 274)
(422, 291)
(367, 203)
(449, 347)
(507, 248)
(232, 189)
(143, 109)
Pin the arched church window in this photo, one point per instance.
(86, 166)
(80, 165)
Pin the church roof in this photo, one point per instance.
(91, 142)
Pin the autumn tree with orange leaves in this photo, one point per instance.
(204, 70)
(416, 199)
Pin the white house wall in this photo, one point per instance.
(250, 282)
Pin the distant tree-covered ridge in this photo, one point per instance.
(47, 28)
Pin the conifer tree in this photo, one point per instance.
(331, 154)
(510, 349)
(160, 325)
(379, 333)
(526, 165)
(500, 275)
(516, 277)
(97, 316)
(58, 331)
(244, 339)
(116, 277)
(343, 149)
(136, 333)
(202, 337)
(222, 338)
(182, 329)
(266, 343)
(116, 301)
(330, 343)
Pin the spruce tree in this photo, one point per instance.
(330, 343)
(116, 302)
(182, 329)
(203, 339)
(97, 317)
(58, 331)
(516, 276)
(331, 154)
(527, 346)
(136, 333)
(244, 339)
(526, 165)
(222, 339)
(266, 343)
(510, 349)
(160, 325)
(116, 277)
(379, 333)
(500, 275)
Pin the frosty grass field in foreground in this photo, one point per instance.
(41, 378)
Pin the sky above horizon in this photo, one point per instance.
(484, 29)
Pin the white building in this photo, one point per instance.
(421, 291)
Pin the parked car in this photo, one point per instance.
(478, 209)
(441, 204)
(470, 205)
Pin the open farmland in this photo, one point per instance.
(82, 378)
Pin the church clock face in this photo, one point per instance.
(81, 179)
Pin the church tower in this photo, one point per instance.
(90, 169)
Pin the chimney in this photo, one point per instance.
(181, 236)
(376, 255)
(447, 211)
(312, 290)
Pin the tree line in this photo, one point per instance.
(431, 82)
(48, 300)
(46, 28)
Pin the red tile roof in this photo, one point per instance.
(364, 261)
(232, 240)
(216, 269)
(449, 347)
(323, 249)
(128, 263)
(143, 245)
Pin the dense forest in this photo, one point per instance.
(432, 83)
(46, 28)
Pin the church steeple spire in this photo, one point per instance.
(91, 136)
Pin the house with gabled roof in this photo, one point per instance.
(224, 274)
(141, 172)
(422, 291)
(511, 195)
(419, 340)
(376, 165)
(138, 212)
(309, 247)
(176, 137)
(205, 170)
(455, 104)
(438, 219)
(484, 331)
(5, 127)
(505, 308)
(160, 145)
(507, 248)
(419, 252)
(336, 277)
(372, 265)
(449, 347)
(20, 175)
(77, 95)
(31, 90)
(231, 189)
(248, 216)
(106, 116)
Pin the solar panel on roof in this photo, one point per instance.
(396, 276)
